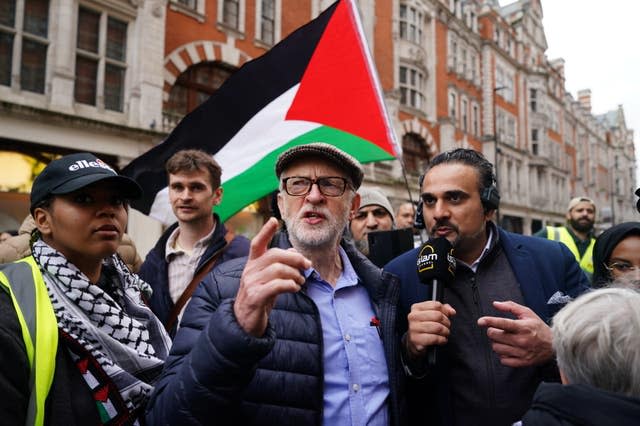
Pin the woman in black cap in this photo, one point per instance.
(78, 344)
(616, 255)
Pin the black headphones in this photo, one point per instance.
(489, 196)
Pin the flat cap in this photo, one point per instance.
(341, 159)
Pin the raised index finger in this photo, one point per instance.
(260, 242)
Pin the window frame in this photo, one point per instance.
(464, 114)
(103, 60)
(240, 28)
(277, 23)
(410, 91)
(192, 88)
(453, 106)
(18, 36)
(410, 25)
(414, 160)
(476, 119)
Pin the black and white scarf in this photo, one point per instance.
(116, 328)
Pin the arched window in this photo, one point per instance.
(414, 153)
(193, 87)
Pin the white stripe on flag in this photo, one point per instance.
(263, 133)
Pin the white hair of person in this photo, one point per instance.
(595, 338)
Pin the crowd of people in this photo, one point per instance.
(298, 326)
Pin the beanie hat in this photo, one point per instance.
(370, 196)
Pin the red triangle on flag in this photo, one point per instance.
(338, 88)
(102, 394)
(82, 365)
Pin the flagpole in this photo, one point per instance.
(400, 159)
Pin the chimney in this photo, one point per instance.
(584, 97)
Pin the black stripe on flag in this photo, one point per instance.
(212, 124)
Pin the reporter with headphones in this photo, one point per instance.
(492, 326)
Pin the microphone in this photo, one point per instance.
(436, 267)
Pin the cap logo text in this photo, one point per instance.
(83, 164)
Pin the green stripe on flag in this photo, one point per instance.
(260, 179)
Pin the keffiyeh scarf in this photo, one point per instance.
(121, 336)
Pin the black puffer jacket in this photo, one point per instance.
(216, 373)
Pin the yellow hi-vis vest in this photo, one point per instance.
(23, 281)
(561, 234)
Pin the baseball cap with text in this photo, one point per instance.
(75, 171)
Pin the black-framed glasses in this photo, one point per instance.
(621, 267)
(330, 186)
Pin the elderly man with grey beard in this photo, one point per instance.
(300, 333)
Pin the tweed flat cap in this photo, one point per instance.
(344, 161)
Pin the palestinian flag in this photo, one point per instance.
(317, 85)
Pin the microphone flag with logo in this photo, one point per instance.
(436, 266)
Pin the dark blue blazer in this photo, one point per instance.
(543, 268)
(549, 277)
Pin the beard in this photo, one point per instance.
(307, 238)
(581, 225)
(362, 245)
(454, 240)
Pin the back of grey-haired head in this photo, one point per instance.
(595, 338)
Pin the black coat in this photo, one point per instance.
(563, 405)
(217, 373)
(69, 402)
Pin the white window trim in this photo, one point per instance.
(475, 119)
(464, 114)
(452, 60)
(197, 13)
(103, 61)
(16, 53)
(241, 15)
(419, 87)
(418, 24)
(277, 22)
(456, 110)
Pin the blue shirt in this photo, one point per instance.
(356, 381)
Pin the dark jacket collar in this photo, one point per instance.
(217, 240)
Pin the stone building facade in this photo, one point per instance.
(114, 76)
(77, 76)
